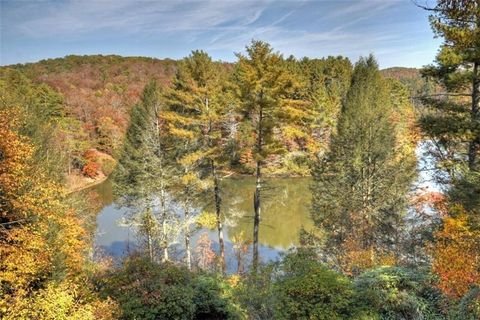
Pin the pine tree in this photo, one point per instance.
(196, 119)
(307, 124)
(359, 188)
(452, 119)
(263, 88)
(144, 174)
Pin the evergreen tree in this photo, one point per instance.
(196, 118)
(144, 174)
(308, 122)
(263, 88)
(359, 188)
(452, 119)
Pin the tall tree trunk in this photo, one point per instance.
(149, 236)
(475, 117)
(188, 254)
(218, 202)
(256, 196)
(256, 218)
(164, 225)
(150, 246)
(162, 186)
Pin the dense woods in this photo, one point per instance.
(382, 246)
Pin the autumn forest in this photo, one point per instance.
(387, 161)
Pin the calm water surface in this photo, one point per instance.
(285, 210)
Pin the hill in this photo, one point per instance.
(99, 90)
(410, 77)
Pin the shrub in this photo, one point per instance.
(298, 287)
(469, 306)
(107, 164)
(255, 295)
(148, 290)
(210, 300)
(399, 293)
(61, 301)
(306, 289)
(91, 169)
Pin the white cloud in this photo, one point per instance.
(76, 17)
(303, 28)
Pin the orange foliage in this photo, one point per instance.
(91, 155)
(424, 200)
(99, 87)
(39, 235)
(357, 259)
(456, 255)
(205, 255)
(91, 169)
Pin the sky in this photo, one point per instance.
(395, 31)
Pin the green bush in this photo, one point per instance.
(297, 287)
(399, 293)
(469, 306)
(254, 293)
(306, 289)
(212, 300)
(147, 290)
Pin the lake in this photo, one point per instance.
(285, 210)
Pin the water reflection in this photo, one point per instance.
(285, 210)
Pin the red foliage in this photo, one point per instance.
(424, 200)
(91, 155)
(91, 169)
(205, 255)
(456, 255)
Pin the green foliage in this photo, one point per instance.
(306, 289)
(261, 85)
(298, 287)
(42, 115)
(466, 191)
(399, 293)
(213, 299)
(144, 173)
(146, 290)
(451, 120)
(412, 79)
(255, 293)
(468, 307)
(369, 161)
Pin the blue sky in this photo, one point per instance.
(397, 32)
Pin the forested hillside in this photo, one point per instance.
(98, 92)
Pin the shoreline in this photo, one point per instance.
(87, 185)
(83, 186)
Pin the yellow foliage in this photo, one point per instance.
(43, 239)
(234, 280)
(357, 259)
(189, 179)
(456, 255)
(181, 133)
(207, 220)
(58, 302)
